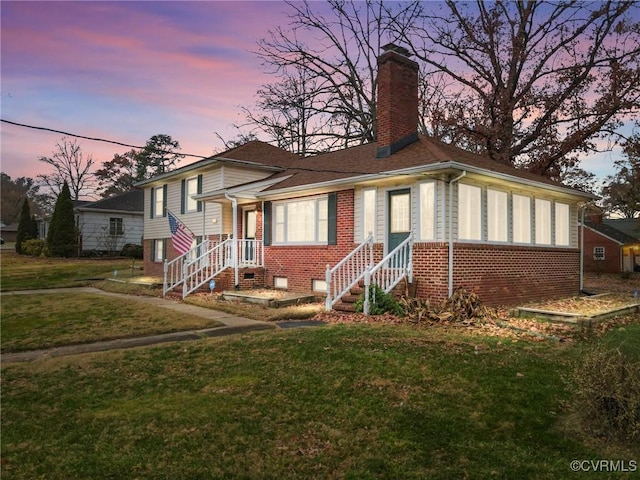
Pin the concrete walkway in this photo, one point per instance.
(231, 324)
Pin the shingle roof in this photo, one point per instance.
(361, 160)
(131, 201)
(613, 233)
(630, 226)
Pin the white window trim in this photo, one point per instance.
(555, 224)
(547, 242)
(483, 206)
(364, 212)
(598, 257)
(531, 201)
(158, 197)
(158, 253)
(284, 204)
(506, 216)
(434, 212)
(188, 195)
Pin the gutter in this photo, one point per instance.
(451, 182)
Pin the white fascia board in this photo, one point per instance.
(431, 168)
(246, 190)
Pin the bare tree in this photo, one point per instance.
(621, 193)
(69, 165)
(530, 83)
(540, 82)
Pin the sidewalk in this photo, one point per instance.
(231, 324)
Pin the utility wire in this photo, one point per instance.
(114, 142)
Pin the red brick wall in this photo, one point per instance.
(499, 275)
(301, 264)
(612, 253)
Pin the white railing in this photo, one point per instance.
(174, 269)
(341, 278)
(250, 253)
(206, 266)
(390, 271)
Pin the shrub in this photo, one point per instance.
(379, 302)
(33, 247)
(132, 250)
(606, 386)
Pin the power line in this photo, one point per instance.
(114, 142)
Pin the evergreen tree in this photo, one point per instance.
(62, 238)
(25, 230)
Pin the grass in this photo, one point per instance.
(20, 272)
(359, 401)
(31, 322)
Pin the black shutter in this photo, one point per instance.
(164, 200)
(266, 223)
(153, 201)
(332, 219)
(200, 191)
(183, 196)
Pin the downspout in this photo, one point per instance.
(451, 182)
(234, 244)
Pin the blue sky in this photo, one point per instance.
(126, 71)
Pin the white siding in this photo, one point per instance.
(94, 227)
(232, 176)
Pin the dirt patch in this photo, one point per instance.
(587, 305)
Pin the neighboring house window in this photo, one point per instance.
(427, 216)
(191, 186)
(369, 212)
(469, 212)
(543, 222)
(521, 212)
(115, 227)
(301, 221)
(158, 201)
(159, 250)
(598, 253)
(497, 216)
(562, 224)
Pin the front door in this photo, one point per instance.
(248, 245)
(399, 226)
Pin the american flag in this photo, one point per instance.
(181, 235)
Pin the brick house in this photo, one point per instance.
(406, 206)
(611, 245)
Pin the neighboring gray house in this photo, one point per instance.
(109, 224)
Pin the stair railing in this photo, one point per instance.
(207, 265)
(341, 278)
(397, 265)
(174, 269)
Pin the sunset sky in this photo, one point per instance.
(126, 71)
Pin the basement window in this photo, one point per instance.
(280, 282)
(319, 285)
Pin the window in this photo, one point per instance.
(368, 212)
(427, 214)
(469, 212)
(158, 199)
(115, 227)
(562, 224)
(191, 186)
(497, 216)
(598, 253)
(158, 250)
(543, 222)
(318, 285)
(301, 221)
(280, 282)
(400, 213)
(521, 212)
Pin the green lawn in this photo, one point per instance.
(358, 401)
(37, 321)
(20, 272)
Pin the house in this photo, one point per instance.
(407, 206)
(109, 224)
(611, 245)
(106, 225)
(9, 233)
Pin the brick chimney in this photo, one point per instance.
(397, 109)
